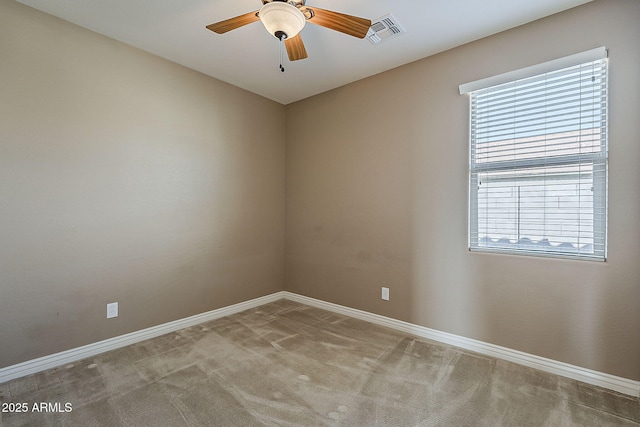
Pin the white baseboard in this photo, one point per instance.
(57, 359)
(611, 382)
(588, 376)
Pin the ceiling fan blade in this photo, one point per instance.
(351, 25)
(233, 23)
(295, 48)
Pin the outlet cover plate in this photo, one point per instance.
(385, 294)
(112, 310)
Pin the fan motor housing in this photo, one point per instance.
(296, 3)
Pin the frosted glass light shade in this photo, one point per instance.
(280, 16)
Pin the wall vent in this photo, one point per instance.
(384, 28)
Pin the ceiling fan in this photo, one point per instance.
(284, 19)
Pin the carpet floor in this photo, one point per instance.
(288, 364)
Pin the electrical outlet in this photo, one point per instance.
(385, 293)
(112, 310)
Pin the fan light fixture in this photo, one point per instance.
(281, 19)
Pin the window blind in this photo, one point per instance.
(538, 164)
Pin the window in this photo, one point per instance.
(538, 159)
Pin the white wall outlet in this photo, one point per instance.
(112, 310)
(385, 293)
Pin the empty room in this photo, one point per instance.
(319, 213)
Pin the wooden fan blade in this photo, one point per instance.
(295, 48)
(351, 25)
(233, 23)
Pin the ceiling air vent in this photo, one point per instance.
(384, 28)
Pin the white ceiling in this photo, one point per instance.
(248, 57)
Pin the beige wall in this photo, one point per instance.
(377, 196)
(124, 177)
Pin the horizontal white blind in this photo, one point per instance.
(538, 164)
(535, 70)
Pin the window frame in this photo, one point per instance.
(599, 162)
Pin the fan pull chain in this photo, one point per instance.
(281, 43)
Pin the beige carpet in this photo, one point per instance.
(286, 364)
